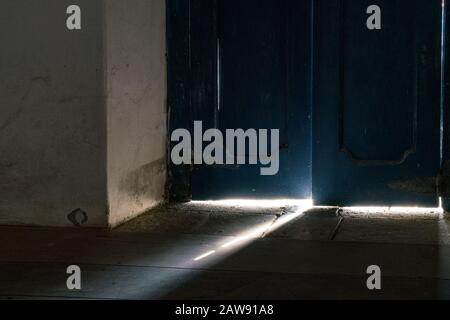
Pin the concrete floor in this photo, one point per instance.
(205, 251)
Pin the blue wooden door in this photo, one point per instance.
(260, 68)
(376, 136)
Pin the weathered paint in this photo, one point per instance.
(178, 90)
(135, 48)
(376, 103)
(83, 115)
(264, 49)
(52, 114)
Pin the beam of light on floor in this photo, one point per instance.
(261, 231)
(258, 203)
(248, 235)
(203, 256)
(394, 210)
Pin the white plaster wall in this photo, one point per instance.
(52, 114)
(135, 49)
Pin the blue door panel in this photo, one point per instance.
(376, 138)
(264, 82)
(379, 75)
(358, 110)
(445, 123)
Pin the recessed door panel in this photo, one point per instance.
(263, 73)
(377, 102)
(379, 75)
